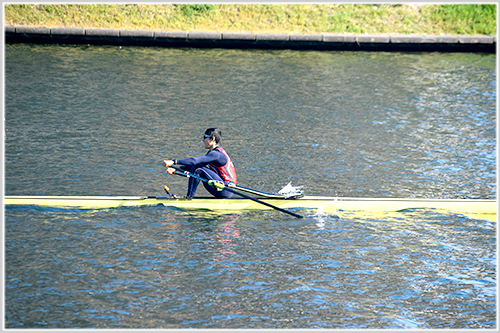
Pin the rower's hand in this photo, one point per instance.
(171, 171)
(167, 163)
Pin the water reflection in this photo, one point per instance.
(228, 236)
(152, 268)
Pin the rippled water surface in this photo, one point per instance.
(86, 120)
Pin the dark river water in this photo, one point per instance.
(97, 120)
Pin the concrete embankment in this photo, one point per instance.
(441, 43)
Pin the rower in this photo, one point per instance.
(215, 165)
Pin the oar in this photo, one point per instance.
(221, 186)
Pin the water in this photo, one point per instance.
(87, 120)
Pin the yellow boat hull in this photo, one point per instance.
(487, 208)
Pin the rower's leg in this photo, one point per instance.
(192, 183)
(212, 175)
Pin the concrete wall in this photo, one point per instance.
(425, 43)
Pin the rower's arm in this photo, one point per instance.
(211, 157)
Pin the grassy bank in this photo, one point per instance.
(258, 18)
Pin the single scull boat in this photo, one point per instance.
(325, 204)
(283, 201)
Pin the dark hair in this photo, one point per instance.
(214, 133)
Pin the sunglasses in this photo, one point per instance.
(206, 136)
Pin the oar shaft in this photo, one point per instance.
(263, 203)
(258, 193)
(189, 174)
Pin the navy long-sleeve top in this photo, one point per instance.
(213, 156)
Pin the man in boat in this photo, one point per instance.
(215, 165)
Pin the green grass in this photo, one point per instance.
(454, 19)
